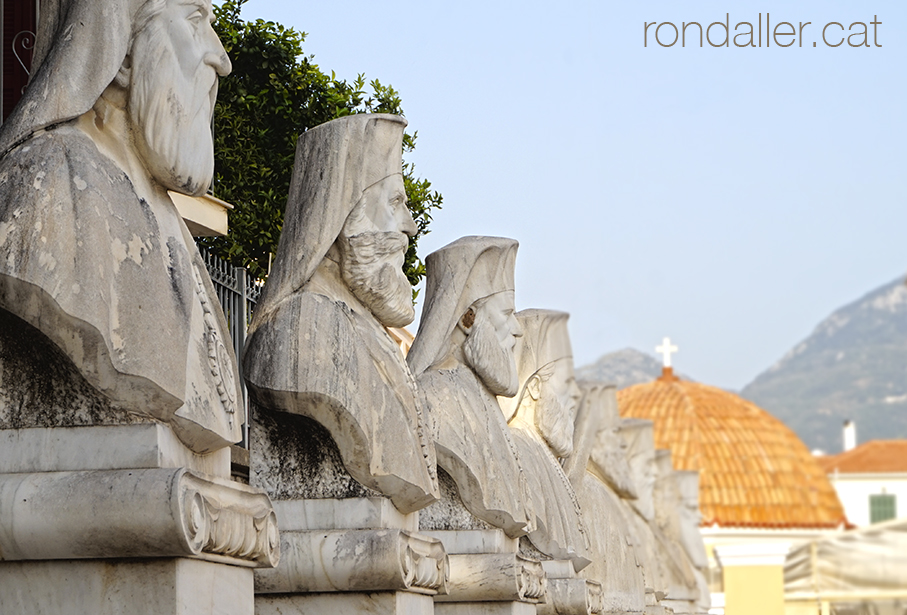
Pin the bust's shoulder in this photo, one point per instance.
(54, 142)
(457, 387)
(59, 154)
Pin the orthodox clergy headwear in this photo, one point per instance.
(459, 274)
(545, 340)
(335, 163)
(80, 47)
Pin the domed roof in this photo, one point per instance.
(754, 471)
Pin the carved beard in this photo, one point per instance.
(372, 266)
(555, 421)
(492, 363)
(172, 114)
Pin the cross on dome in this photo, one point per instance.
(666, 350)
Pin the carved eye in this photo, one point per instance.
(196, 18)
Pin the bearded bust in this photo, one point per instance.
(542, 417)
(318, 344)
(462, 358)
(598, 469)
(95, 261)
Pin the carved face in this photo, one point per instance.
(175, 62)
(373, 247)
(489, 344)
(643, 465)
(610, 455)
(555, 415)
(690, 537)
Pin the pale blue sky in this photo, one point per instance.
(728, 198)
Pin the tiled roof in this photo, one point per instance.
(874, 456)
(754, 471)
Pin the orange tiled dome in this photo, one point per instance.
(754, 471)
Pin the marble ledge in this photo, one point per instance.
(374, 513)
(66, 449)
(475, 541)
(357, 561)
(135, 513)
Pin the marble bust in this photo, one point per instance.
(690, 536)
(690, 518)
(462, 358)
(541, 417)
(318, 344)
(640, 511)
(601, 475)
(668, 507)
(94, 257)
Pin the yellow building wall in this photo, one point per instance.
(754, 590)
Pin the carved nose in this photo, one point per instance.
(405, 221)
(217, 56)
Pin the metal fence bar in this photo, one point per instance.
(238, 295)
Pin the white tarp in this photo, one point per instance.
(864, 562)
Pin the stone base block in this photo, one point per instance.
(110, 447)
(375, 513)
(380, 603)
(572, 597)
(485, 608)
(116, 587)
(360, 561)
(681, 607)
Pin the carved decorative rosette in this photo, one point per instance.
(573, 596)
(223, 522)
(425, 564)
(136, 513)
(595, 597)
(533, 584)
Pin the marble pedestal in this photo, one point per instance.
(166, 586)
(488, 576)
(352, 603)
(352, 555)
(344, 548)
(485, 608)
(125, 519)
(681, 607)
(568, 593)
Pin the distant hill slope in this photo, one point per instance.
(623, 368)
(854, 365)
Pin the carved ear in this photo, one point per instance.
(534, 387)
(124, 75)
(465, 323)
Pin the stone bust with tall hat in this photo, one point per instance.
(318, 346)
(462, 358)
(541, 417)
(99, 276)
(682, 591)
(600, 474)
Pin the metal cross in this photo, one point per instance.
(666, 349)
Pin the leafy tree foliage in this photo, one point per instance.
(274, 93)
